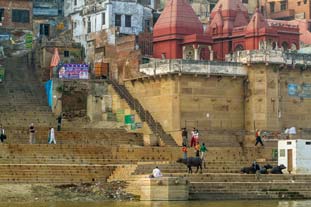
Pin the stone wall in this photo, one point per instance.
(209, 103)
(212, 103)
(82, 98)
(295, 108)
(270, 97)
(160, 97)
(270, 104)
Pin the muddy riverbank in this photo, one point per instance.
(86, 192)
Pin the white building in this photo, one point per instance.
(295, 155)
(89, 16)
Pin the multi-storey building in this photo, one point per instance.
(47, 17)
(286, 9)
(124, 17)
(16, 14)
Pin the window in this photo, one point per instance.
(288, 143)
(66, 53)
(308, 143)
(305, 1)
(89, 25)
(211, 7)
(75, 2)
(1, 14)
(44, 29)
(245, 1)
(282, 152)
(21, 16)
(272, 4)
(128, 22)
(103, 18)
(298, 3)
(147, 25)
(117, 20)
(283, 5)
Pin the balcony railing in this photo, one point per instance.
(269, 56)
(158, 66)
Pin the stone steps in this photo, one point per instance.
(64, 173)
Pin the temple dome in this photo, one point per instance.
(257, 23)
(229, 5)
(177, 18)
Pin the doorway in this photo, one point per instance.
(289, 160)
(45, 29)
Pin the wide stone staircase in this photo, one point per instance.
(221, 180)
(88, 136)
(82, 153)
(22, 96)
(144, 115)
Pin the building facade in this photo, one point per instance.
(123, 17)
(47, 18)
(16, 14)
(286, 9)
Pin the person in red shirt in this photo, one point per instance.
(258, 138)
(184, 150)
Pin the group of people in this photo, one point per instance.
(200, 150)
(32, 132)
(51, 132)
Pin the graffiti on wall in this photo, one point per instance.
(299, 90)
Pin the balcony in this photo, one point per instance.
(286, 14)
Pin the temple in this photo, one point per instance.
(179, 34)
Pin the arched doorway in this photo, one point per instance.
(188, 53)
(285, 46)
(239, 47)
(293, 46)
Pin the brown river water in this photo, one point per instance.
(300, 203)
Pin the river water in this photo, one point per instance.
(300, 203)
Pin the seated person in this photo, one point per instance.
(156, 173)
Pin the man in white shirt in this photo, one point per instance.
(156, 172)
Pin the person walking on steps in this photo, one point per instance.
(197, 149)
(184, 150)
(2, 134)
(52, 136)
(258, 138)
(32, 132)
(193, 138)
(203, 151)
(59, 122)
(184, 134)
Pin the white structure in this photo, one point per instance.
(126, 16)
(295, 155)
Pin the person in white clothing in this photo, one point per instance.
(52, 136)
(156, 173)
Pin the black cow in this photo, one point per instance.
(252, 169)
(192, 162)
(265, 168)
(277, 169)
